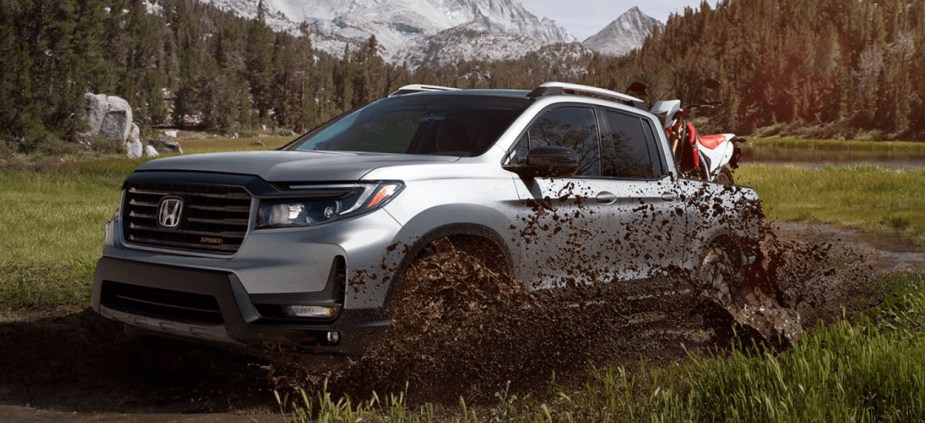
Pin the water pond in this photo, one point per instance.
(815, 154)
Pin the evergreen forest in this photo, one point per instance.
(840, 67)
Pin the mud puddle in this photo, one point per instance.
(465, 339)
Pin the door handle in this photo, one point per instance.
(605, 197)
(669, 196)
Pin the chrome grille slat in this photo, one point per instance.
(142, 215)
(134, 202)
(214, 218)
(146, 192)
(231, 209)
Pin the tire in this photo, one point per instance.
(724, 177)
(752, 306)
(447, 282)
(717, 271)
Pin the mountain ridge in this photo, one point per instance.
(435, 32)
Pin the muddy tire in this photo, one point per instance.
(751, 305)
(717, 274)
(445, 283)
(724, 177)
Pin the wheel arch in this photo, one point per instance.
(480, 240)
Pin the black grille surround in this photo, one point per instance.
(213, 219)
(161, 303)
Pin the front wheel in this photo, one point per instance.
(448, 282)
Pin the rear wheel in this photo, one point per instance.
(716, 274)
(724, 177)
(749, 304)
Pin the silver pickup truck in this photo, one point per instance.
(302, 246)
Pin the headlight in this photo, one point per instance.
(108, 232)
(295, 212)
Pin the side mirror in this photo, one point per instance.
(547, 162)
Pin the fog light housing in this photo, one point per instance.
(310, 311)
(334, 338)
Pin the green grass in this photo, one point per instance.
(884, 200)
(214, 145)
(52, 226)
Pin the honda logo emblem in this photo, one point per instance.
(168, 213)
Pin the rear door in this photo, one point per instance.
(647, 208)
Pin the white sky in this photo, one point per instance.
(584, 18)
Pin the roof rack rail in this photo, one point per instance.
(562, 88)
(420, 88)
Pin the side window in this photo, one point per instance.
(627, 148)
(572, 127)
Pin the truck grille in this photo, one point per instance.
(212, 218)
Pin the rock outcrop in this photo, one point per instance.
(165, 146)
(111, 117)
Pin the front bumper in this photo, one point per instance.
(214, 307)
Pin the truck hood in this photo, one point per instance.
(287, 166)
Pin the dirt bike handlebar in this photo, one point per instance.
(705, 105)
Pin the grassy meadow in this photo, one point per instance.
(887, 201)
(868, 367)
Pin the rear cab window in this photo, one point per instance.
(629, 148)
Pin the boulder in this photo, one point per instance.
(117, 124)
(94, 108)
(150, 151)
(133, 146)
(105, 115)
(165, 146)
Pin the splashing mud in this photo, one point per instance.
(461, 326)
(462, 329)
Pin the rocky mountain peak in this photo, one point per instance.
(624, 34)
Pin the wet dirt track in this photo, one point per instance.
(68, 364)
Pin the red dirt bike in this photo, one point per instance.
(708, 157)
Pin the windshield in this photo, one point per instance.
(451, 125)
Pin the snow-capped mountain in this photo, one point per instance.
(462, 43)
(403, 27)
(624, 34)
